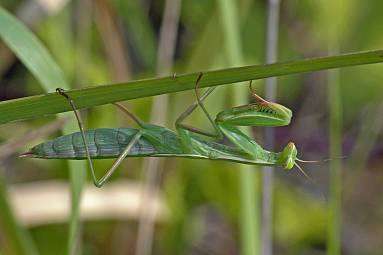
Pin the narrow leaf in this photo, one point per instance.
(35, 106)
(36, 58)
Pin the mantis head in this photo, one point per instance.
(287, 156)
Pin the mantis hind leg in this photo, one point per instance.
(99, 183)
(131, 115)
(179, 125)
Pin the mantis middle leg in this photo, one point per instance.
(180, 126)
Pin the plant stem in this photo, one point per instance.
(336, 34)
(35, 106)
(249, 179)
(335, 192)
(17, 237)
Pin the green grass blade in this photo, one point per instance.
(249, 179)
(36, 58)
(30, 51)
(35, 106)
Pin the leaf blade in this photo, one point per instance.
(35, 106)
(39, 62)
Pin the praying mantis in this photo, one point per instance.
(151, 140)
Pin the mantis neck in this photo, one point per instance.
(267, 156)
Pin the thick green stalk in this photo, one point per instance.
(335, 167)
(17, 237)
(335, 192)
(35, 106)
(337, 31)
(249, 179)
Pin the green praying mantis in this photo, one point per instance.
(187, 142)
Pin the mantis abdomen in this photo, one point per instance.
(102, 143)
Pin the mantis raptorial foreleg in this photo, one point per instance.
(99, 183)
(255, 95)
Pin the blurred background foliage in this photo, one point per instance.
(103, 41)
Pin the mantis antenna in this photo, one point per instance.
(310, 179)
(303, 172)
(319, 160)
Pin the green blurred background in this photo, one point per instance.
(105, 41)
